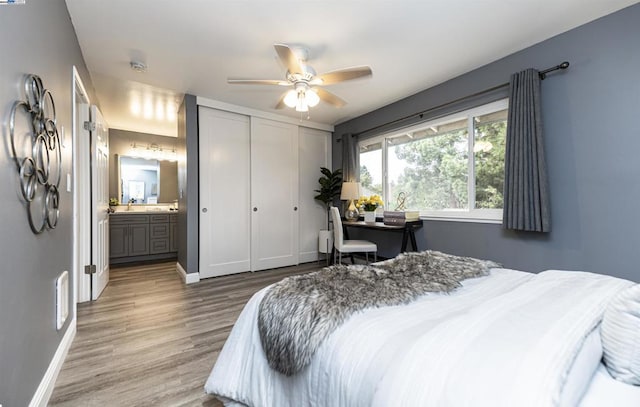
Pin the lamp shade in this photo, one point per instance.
(350, 190)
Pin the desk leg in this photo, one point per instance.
(412, 235)
(405, 235)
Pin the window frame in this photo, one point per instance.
(469, 215)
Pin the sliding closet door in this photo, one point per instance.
(315, 152)
(225, 227)
(274, 194)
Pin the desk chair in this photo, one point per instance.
(349, 246)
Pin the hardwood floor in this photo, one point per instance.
(150, 340)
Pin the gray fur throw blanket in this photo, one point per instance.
(299, 312)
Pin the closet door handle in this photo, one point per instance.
(255, 209)
(204, 210)
(295, 208)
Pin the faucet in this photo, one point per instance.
(129, 204)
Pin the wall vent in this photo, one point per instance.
(62, 299)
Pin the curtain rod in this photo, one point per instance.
(541, 74)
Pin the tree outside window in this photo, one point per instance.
(441, 170)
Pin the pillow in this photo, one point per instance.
(620, 332)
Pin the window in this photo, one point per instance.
(442, 170)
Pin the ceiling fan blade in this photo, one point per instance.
(288, 58)
(281, 104)
(329, 97)
(341, 75)
(257, 82)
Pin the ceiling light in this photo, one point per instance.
(312, 98)
(301, 106)
(291, 98)
(138, 66)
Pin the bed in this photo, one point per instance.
(508, 338)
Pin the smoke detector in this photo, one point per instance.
(138, 66)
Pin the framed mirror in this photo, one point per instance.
(146, 181)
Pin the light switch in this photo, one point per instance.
(68, 182)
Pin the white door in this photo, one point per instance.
(99, 203)
(225, 225)
(81, 191)
(274, 194)
(315, 152)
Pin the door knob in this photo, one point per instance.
(295, 208)
(255, 209)
(204, 210)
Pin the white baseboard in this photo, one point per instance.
(45, 389)
(188, 278)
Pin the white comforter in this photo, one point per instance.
(509, 339)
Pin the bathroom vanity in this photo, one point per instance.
(141, 236)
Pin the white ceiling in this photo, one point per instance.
(193, 46)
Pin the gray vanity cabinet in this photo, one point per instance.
(159, 233)
(128, 236)
(173, 233)
(118, 241)
(140, 237)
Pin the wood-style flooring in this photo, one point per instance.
(150, 340)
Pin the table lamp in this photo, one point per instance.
(350, 191)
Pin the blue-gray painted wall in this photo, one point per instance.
(34, 38)
(188, 185)
(592, 142)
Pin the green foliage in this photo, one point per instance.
(436, 172)
(330, 186)
(489, 162)
(366, 182)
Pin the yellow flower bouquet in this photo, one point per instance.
(369, 204)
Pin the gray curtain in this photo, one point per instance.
(350, 158)
(526, 191)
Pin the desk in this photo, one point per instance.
(408, 230)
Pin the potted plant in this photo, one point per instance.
(369, 206)
(330, 185)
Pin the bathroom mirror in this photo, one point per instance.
(147, 181)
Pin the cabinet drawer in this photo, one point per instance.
(159, 218)
(159, 246)
(159, 230)
(128, 219)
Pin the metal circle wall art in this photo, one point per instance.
(37, 154)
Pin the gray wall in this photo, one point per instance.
(34, 38)
(592, 142)
(188, 184)
(120, 143)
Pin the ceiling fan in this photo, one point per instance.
(307, 91)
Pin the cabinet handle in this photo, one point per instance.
(204, 210)
(255, 209)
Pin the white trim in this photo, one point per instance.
(200, 101)
(45, 389)
(77, 89)
(187, 278)
(461, 219)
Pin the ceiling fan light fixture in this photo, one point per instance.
(291, 98)
(311, 98)
(301, 106)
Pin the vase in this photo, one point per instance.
(370, 216)
(325, 241)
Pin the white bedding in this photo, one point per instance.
(507, 339)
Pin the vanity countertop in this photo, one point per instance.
(142, 211)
